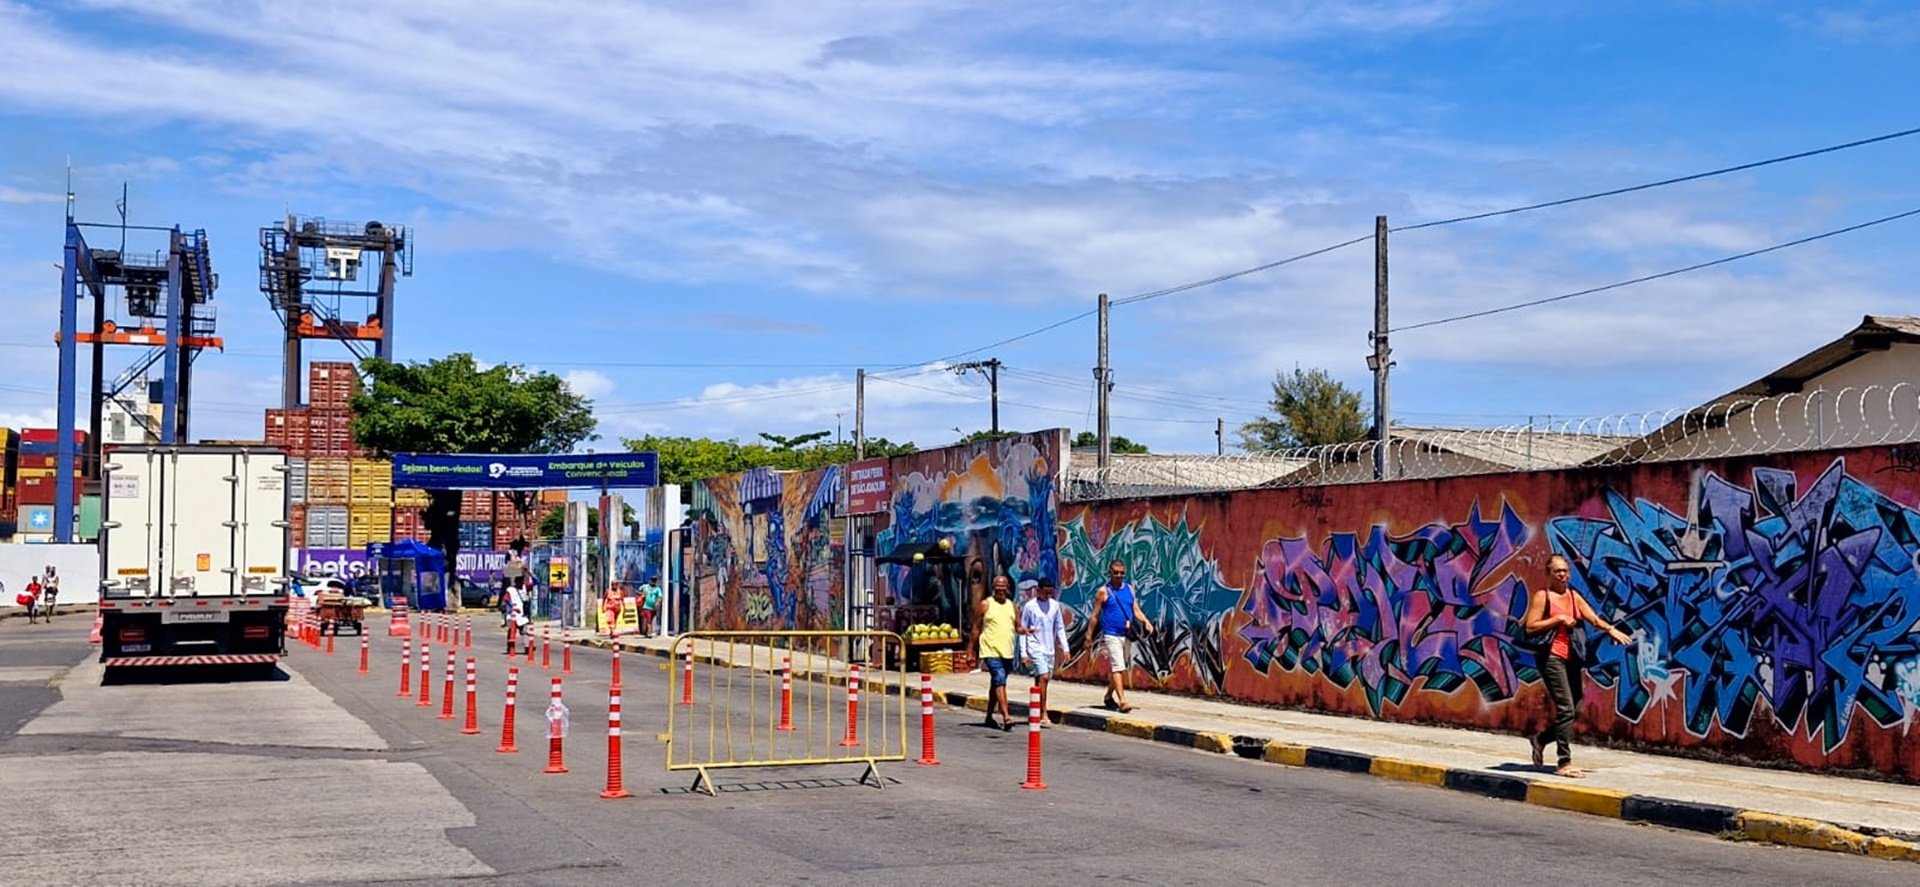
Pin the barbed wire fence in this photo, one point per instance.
(1733, 426)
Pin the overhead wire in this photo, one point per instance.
(1645, 278)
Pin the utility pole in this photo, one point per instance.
(992, 372)
(1103, 383)
(860, 414)
(1381, 360)
(1219, 437)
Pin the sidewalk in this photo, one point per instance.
(1879, 819)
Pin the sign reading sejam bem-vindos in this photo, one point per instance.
(463, 471)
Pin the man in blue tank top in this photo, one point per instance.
(1115, 609)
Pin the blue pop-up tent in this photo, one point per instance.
(410, 570)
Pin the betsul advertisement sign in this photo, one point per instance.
(869, 486)
(459, 471)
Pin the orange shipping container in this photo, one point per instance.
(331, 385)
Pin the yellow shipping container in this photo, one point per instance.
(371, 481)
(368, 524)
(405, 498)
(328, 481)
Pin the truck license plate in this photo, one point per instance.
(195, 616)
(136, 648)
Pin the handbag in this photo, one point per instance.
(1531, 641)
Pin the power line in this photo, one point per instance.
(1155, 294)
(1035, 406)
(1663, 182)
(1676, 271)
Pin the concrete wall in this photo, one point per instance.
(79, 567)
(1775, 599)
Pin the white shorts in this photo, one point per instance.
(1116, 647)
(1042, 666)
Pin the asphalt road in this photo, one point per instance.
(325, 776)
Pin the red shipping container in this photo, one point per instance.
(287, 429)
(38, 461)
(477, 505)
(49, 435)
(409, 524)
(42, 490)
(297, 526)
(331, 385)
(330, 433)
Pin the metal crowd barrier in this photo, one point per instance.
(742, 699)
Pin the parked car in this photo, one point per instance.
(477, 595)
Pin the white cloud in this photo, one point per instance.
(589, 384)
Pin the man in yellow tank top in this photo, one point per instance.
(993, 623)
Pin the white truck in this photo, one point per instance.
(193, 556)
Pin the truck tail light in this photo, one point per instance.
(256, 632)
(132, 635)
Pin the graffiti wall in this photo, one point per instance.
(1774, 601)
(990, 506)
(766, 554)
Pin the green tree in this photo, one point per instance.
(684, 460)
(1310, 408)
(554, 525)
(978, 436)
(451, 405)
(1118, 443)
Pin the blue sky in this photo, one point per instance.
(708, 214)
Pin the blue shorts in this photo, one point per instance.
(998, 668)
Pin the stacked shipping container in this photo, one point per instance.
(343, 499)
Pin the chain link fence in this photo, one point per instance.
(1732, 426)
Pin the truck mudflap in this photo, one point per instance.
(208, 659)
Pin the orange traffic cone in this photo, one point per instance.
(93, 637)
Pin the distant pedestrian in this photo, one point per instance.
(33, 593)
(1563, 661)
(650, 594)
(994, 623)
(1116, 611)
(49, 590)
(517, 616)
(1043, 639)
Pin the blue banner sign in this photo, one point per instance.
(459, 471)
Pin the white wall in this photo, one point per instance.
(79, 567)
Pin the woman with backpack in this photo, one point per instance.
(1562, 656)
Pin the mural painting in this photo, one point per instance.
(995, 502)
(765, 557)
(1775, 601)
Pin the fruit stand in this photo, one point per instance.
(930, 648)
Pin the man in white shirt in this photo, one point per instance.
(1043, 639)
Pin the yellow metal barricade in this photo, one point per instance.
(733, 707)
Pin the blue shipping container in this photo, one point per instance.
(476, 535)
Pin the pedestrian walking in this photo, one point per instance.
(33, 592)
(1116, 612)
(1562, 659)
(49, 590)
(994, 622)
(517, 615)
(650, 594)
(1043, 639)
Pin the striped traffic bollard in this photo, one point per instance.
(853, 706)
(786, 694)
(426, 672)
(616, 665)
(566, 657)
(472, 727)
(528, 637)
(363, 651)
(686, 676)
(466, 632)
(513, 634)
(446, 696)
(546, 650)
(444, 620)
(556, 760)
(406, 667)
(926, 722)
(330, 636)
(1033, 739)
(506, 718)
(615, 782)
